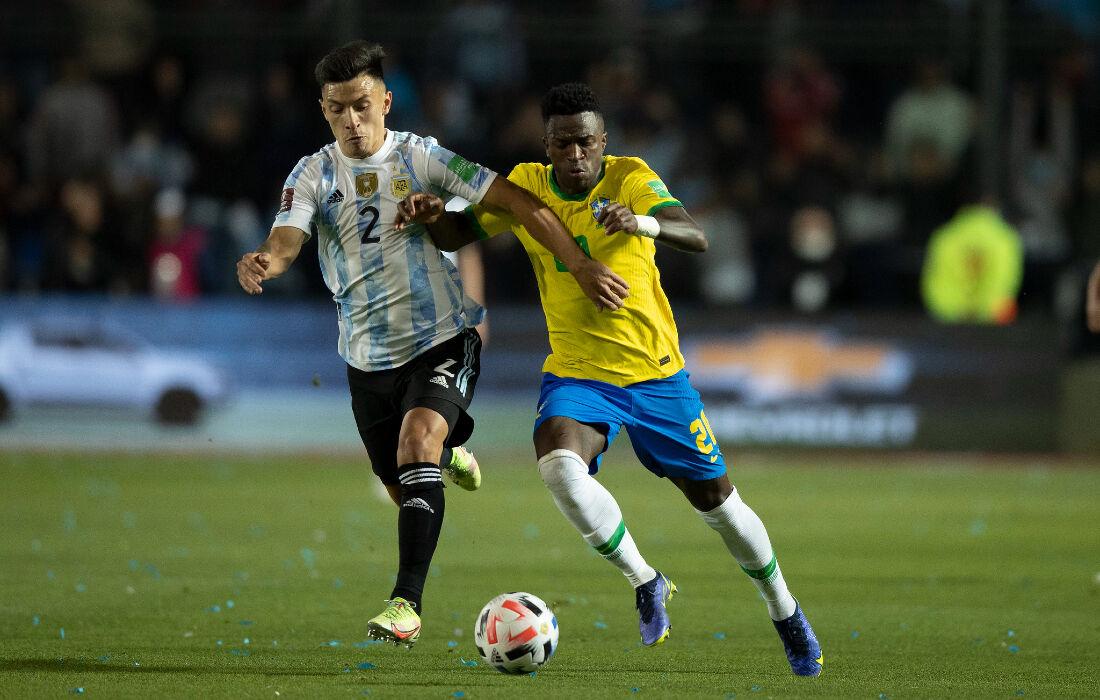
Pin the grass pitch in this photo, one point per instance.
(188, 576)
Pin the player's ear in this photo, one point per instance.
(387, 103)
(546, 145)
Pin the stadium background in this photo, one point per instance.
(142, 148)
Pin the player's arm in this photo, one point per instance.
(599, 283)
(672, 226)
(1092, 301)
(449, 230)
(271, 259)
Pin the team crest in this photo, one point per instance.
(399, 186)
(598, 205)
(366, 184)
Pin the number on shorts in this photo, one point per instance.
(704, 437)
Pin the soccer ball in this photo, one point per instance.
(516, 633)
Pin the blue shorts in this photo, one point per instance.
(663, 417)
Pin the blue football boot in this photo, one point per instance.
(800, 643)
(650, 599)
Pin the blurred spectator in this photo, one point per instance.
(485, 45)
(931, 121)
(801, 95)
(175, 251)
(973, 269)
(73, 127)
(870, 222)
(82, 254)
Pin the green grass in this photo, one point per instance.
(923, 576)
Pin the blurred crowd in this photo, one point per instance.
(134, 160)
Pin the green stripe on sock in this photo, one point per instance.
(612, 544)
(762, 574)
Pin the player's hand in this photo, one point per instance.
(600, 284)
(1092, 301)
(251, 269)
(420, 207)
(615, 217)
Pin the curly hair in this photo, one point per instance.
(568, 99)
(350, 60)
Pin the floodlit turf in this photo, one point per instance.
(168, 575)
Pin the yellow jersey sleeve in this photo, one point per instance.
(635, 343)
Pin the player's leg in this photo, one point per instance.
(566, 447)
(436, 389)
(672, 437)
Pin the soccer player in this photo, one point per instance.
(608, 371)
(406, 328)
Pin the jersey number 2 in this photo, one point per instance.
(372, 212)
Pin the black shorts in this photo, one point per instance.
(441, 379)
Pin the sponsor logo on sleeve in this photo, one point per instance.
(463, 168)
(659, 189)
(287, 200)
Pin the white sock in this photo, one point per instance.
(748, 542)
(593, 511)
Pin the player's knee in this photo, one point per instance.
(558, 467)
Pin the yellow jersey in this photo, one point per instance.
(638, 341)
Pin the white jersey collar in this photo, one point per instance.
(378, 156)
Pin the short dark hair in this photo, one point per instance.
(568, 99)
(350, 60)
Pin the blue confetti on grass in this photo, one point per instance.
(80, 587)
(365, 664)
(36, 620)
(1012, 633)
(1014, 648)
(452, 643)
(62, 632)
(601, 625)
(219, 642)
(368, 642)
(244, 622)
(136, 663)
(467, 663)
(756, 687)
(334, 643)
(229, 603)
(76, 691)
(134, 564)
(347, 670)
(459, 694)
(49, 574)
(307, 557)
(214, 609)
(855, 634)
(104, 658)
(719, 635)
(242, 652)
(246, 640)
(633, 690)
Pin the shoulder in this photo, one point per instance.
(406, 141)
(623, 166)
(528, 174)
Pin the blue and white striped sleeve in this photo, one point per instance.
(298, 203)
(454, 174)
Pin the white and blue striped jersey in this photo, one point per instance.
(396, 293)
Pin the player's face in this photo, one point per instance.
(356, 112)
(575, 145)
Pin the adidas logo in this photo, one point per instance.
(335, 197)
(439, 379)
(417, 503)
